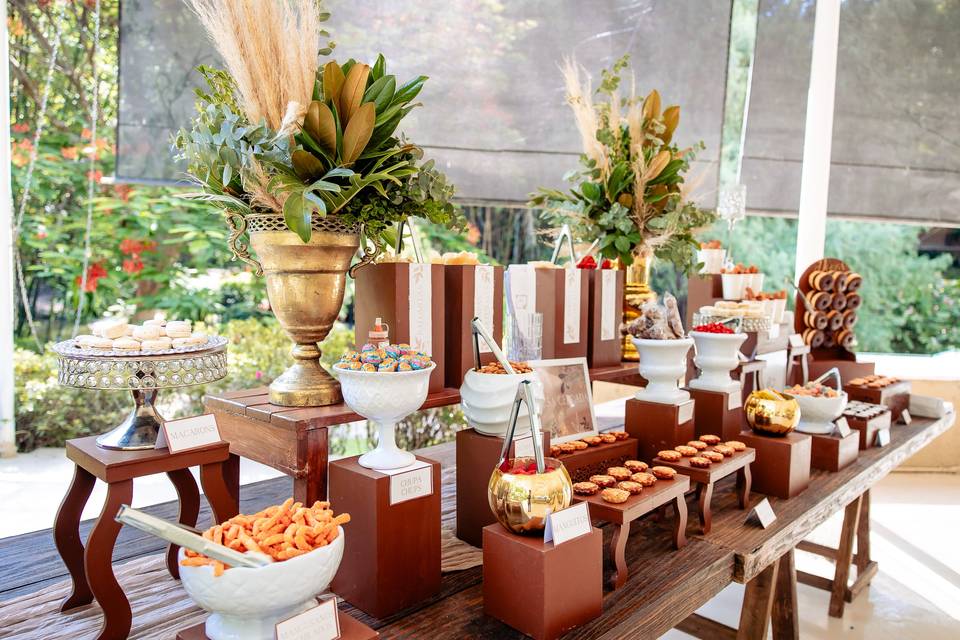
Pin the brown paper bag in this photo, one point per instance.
(471, 290)
(605, 317)
(410, 298)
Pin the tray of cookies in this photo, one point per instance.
(706, 459)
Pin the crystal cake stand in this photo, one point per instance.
(143, 375)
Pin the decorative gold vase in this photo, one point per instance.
(636, 291)
(305, 286)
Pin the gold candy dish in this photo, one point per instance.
(772, 413)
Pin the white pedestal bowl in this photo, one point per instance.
(716, 358)
(662, 363)
(818, 413)
(246, 604)
(712, 260)
(385, 399)
(487, 399)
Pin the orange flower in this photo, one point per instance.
(20, 127)
(96, 175)
(473, 234)
(123, 191)
(133, 266)
(70, 153)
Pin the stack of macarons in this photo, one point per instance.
(116, 334)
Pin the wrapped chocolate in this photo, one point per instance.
(658, 322)
(674, 323)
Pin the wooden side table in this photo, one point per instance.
(90, 568)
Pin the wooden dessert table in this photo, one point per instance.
(90, 567)
(294, 439)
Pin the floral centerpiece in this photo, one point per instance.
(630, 193)
(306, 163)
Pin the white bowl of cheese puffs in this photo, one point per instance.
(306, 545)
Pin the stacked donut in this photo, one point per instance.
(832, 300)
(116, 334)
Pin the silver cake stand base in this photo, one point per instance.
(143, 375)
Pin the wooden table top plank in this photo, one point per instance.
(827, 494)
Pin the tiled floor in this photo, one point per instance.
(916, 520)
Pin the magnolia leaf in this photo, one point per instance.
(311, 121)
(409, 90)
(351, 96)
(326, 132)
(332, 82)
(379, 67)
(306, 166)
(358, 132)
(671, 118)
(651, 105)
(296, 214)
(381, 92)
(656, 165)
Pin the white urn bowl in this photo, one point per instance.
(712, 259)
(662, 363)
(247, 604)
(818, 413)
(487, 399)
(735, 285)
(716, 356)
(385, 398)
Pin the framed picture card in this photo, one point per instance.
(568, 398)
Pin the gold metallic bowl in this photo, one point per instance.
(769, 416)
(521, 502)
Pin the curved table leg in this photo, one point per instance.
(97, 562)
(680, 524)
(743, 486)
(220, 495)
(704, 495)
(66, 535)
(189, 497)
(618, 546)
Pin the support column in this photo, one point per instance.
(818, 136)
(8, 445)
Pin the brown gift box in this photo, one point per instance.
(383, 291)
(460, 292)
(600, 352)
(782, 467)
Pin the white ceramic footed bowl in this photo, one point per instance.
(817, 414)
(716, 358)
(246, 604)
(487, 399)
(386, 397)
(662, 363)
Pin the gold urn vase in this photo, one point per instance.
(636, 291)
(305, 286)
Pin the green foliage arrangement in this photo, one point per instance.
(631, 191)
(337, 152)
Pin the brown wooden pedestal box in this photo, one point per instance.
(831, 452)
(782, 467)
(383, 291)
(350, 629)
(477, 455)
(600, 352)
(659, 426)
(895, 396)
(596, 460)
(542, 589)
(574, 345)
(702, 291)
(462, 285)
(717, 413)
(868, 429)
(391, 558)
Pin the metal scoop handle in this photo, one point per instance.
(524, 395)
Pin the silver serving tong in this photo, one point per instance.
(524, 395)
(564, 234)
(480, 331)
(835, 374)
(183, 537)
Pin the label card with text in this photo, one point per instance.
(409, 483)
(905, 417)
(568, 524)
(762, 514)
(685, 412)
(795, 340)
(319, 623)
(883, 437)
(734, 400)
(843, 428)
(189, 433)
